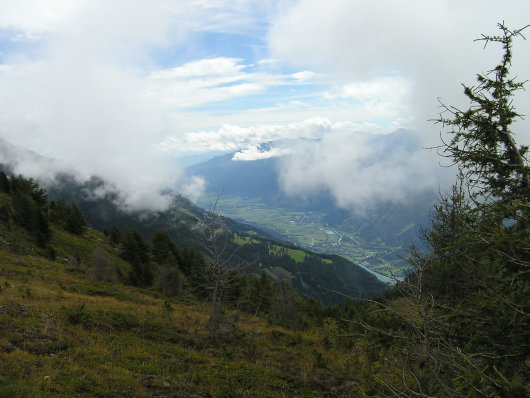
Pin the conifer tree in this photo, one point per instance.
(115, 235)
(482, 142)
(164, 250)
(466, 328)
(473, 286)
(4, 183)
(136, 252)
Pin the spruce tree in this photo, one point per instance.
(482, 142)
(163, 249)
(473, 285)
(5, 186)
(465, 330)
(136, 252)
(115, 235)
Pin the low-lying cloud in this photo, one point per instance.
(358, 170)
(233, 138)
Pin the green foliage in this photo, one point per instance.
(5, 186)
(29, 187)
(459, 325)
(482, 142)
(67, 216)
(29, 204)
(480, 241)
(101, 267)
(115, 235)
(163, 250)
(170, 281)
(135, 251)
(194, 268)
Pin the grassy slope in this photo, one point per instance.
(63, 334)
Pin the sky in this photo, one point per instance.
(129, 89)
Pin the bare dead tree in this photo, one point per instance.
(222, 271)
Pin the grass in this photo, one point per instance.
(64, 334)
(297, 255)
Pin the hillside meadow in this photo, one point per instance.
(64, 333)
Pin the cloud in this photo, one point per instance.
(304, 75)
(233, 137)
(359, 170)
(193, 189)
(205, 67)
(357, 165)
(388, 58)
(255, 153)
(385, 96)
(205, 81)
(81, 83)
(118, 88)
(429, 44)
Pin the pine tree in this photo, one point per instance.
(136, 252)
(473, 285)
(482, 142)
(75, 222)
(164, 250)
(5, 186)
(466, 327)
(115, 235)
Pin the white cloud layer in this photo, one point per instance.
(193, 189)
(359, 170)
(233, 138)
(255, 153)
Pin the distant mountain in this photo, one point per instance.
(387, 227)
(253, 179)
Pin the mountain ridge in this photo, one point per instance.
(315, 276)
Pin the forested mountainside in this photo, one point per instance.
(328, 279)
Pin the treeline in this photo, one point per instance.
(28, 208)
(160, 265)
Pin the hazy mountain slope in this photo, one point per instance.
(315, 276)
(253, 179)
(326, 279)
